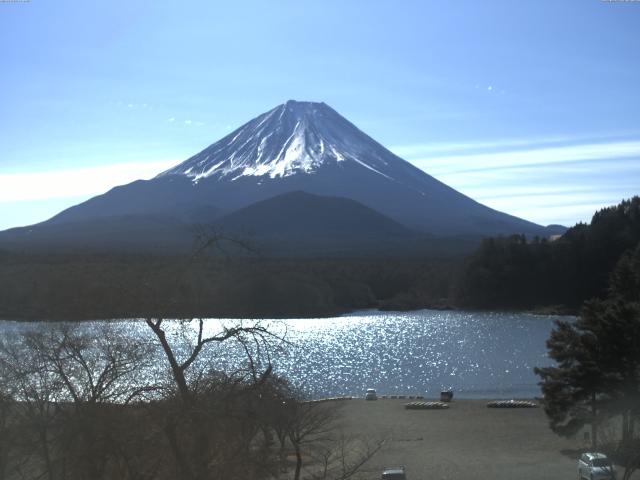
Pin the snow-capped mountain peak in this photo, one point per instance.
(301, 147)
(295, 137)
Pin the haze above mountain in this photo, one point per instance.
(296, 147)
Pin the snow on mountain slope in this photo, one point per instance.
(307, 147)
(295, 137)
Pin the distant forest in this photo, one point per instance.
(514, 273)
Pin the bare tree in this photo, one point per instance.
(309, 423)
(70, 386)
(314, 433)
(34, 391)
(213, 418)
(343, 457)
(6, 426)
(179, 367)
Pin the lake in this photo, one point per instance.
(476, 354)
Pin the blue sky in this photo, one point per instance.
(531, 107)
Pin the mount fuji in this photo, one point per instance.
(303, 147)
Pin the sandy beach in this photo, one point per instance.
(467, 441)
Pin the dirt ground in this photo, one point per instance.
(467, 441)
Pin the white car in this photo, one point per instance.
(595, 466)
(394, 473)
(371, 394)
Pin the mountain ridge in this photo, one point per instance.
(300, 147)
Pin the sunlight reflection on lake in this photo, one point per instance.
(477, 354)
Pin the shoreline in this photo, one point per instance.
(543, 312)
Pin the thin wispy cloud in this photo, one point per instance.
(531, 157)
(412, 151)
(133, 105)
(188, 122)
(193, 122)
(543, 180)
(67, 183)
(544, 192)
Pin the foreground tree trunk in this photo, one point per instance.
(594, 423)
(298, 462)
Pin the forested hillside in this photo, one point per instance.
(513, 272)
(503, 273)
(87, 287)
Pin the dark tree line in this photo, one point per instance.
(78, 287)
(519, 273)
(597, 375)
(503, 273)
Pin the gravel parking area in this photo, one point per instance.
(466, 441)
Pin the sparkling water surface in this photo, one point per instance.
(475, 354)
